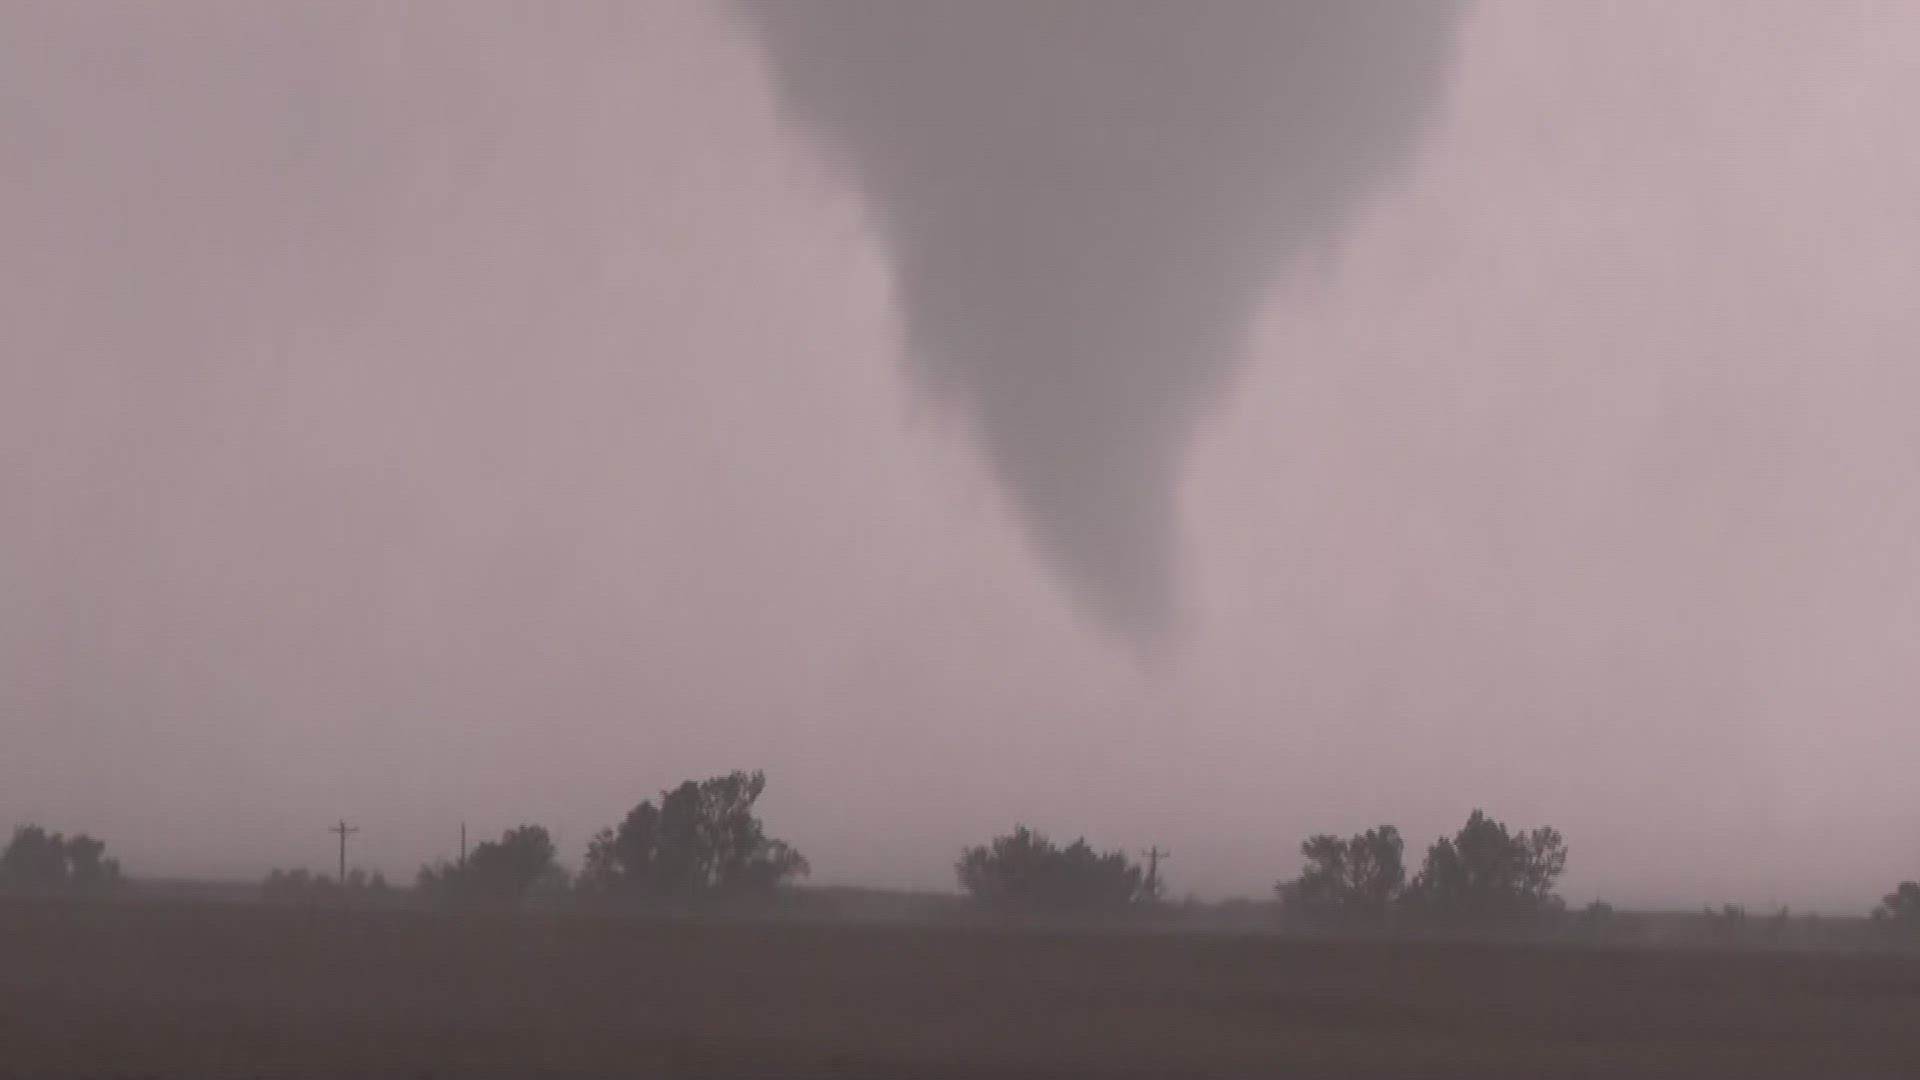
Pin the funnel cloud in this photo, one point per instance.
(1085, 203)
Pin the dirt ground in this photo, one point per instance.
(163, 990)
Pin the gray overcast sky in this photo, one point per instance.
(437, 411)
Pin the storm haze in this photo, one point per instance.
(438, 412)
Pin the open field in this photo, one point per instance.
(233, 990)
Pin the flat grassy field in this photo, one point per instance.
(167, 990)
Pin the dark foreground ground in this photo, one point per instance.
(169, 990)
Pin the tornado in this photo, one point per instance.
(1085, 204)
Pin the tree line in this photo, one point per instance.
(42, 862)
(698, 841)
(702, 840)
(1485, 874)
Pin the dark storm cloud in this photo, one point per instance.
(1086, 202)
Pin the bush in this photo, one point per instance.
(1025, 869)
(1901, 907)
(508, 870)
(1352, 882)
(1487, 876)
(301, 886)
(702, 841)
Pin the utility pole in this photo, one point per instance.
(343, 830)
(463, 843)
(1154, 855)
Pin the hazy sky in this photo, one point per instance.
(438, 411)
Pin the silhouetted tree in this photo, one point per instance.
(1024, 868)
(511, 868)
(1901, 907)
(1353, 882)
(1486, 875)
(703, 840)
(36, 860)
(88, 867)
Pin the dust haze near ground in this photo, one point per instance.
(436, 412)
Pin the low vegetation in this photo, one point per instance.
(1484, 876)
(1901, 907)
(702, 841)
(1024, 869)
(1356, 882)
(522, 863)
(303, 887)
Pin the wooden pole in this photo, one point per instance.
(343, 830)
(1154, 855)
